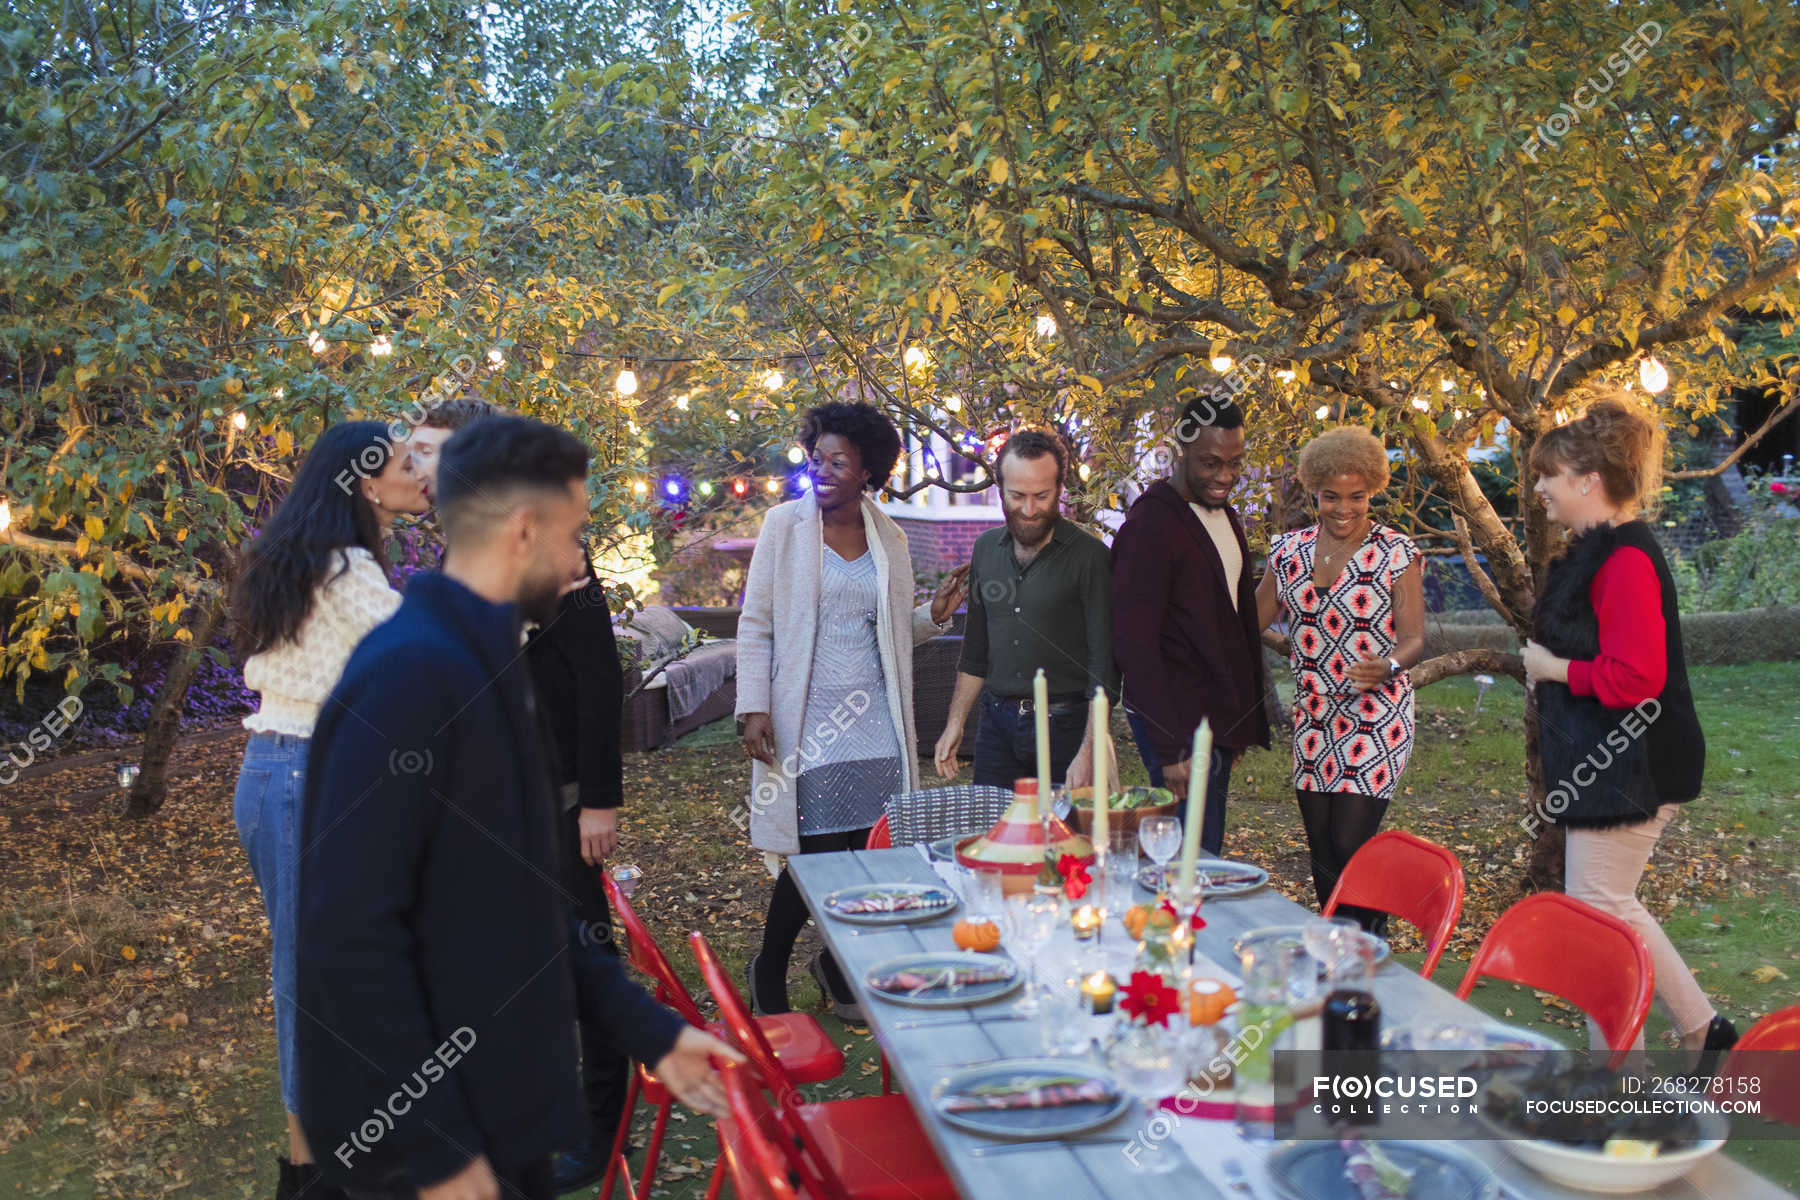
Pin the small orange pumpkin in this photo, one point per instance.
(1207, 1001)
(976, 935)
(1135, 918)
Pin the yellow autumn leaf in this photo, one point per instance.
(1767, 974)
(668, 291)
(999, 171)
(1089, 382)
(1566, 314)
(96, 528)
(127, 953)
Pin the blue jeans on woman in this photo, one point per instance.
(266, 807)
(1218, 783)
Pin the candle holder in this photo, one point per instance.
(1086, 922)
(1099, 990)
(128, 773)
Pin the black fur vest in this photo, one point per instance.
(1606, 766)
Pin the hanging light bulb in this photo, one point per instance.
(952, 403)
(1221, 363)
(740, 488)
(239, 420)
(1653, 375)
(641, 488)
(626, 384)
(706, 488)
(1323, 411)
(796, 455)
(1046, 325)
(681, 402)
(773, 486)
(774, 380)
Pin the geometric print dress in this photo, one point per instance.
(1345, 740)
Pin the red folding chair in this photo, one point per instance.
(745, 1147)
(1592, 959)
(867, 1148)
(1754, 1058)
(880, 837)
(805, 1050)
(1414, 879)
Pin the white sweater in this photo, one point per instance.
(295, 677)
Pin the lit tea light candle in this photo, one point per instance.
(1099, 989)
(1086, 922)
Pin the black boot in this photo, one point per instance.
(302, 1181)
(1721, 1035)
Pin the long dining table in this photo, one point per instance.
(924, 1046)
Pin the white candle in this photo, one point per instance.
(1101, 719)
(1040, 704)
(1196, 806)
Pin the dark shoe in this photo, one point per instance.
(578, 1169)
(846, 1010)
(761, 1003)
(1721, 1036)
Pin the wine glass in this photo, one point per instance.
(626, 876)
(1149, 1064)
(987, 893)
(1030, 923)
(1160, 838)
(1328, 939)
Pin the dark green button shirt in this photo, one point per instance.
(1055, 613)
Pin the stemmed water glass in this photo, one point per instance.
(626, 876)
(1331, 940)
(1030, 923)
(1160, 838)
(1149, 1064)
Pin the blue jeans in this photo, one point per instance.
(1006, 742)
(1218, 782)
(266, 807)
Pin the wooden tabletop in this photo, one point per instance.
(923, 1046)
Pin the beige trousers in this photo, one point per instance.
(1602, 867)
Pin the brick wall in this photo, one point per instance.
(938, 546)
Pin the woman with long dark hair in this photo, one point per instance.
(1620, 739)
(309, 586)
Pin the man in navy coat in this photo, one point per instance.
(437, 1006)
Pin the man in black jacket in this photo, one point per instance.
(581, 688)
(432, 937)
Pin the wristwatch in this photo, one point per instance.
(1394, 667)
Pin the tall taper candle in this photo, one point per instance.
(1040, 705)
(1100, 717)
(1196, 807)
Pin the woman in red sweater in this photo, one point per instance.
(1620, 740)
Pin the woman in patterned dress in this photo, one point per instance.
(310, 585)
(824, 674)
(1350, 589)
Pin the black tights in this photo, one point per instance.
(788, 915)
(1337, 824)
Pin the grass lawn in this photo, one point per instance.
(136, 1054)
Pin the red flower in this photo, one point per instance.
(1076, 877)
(1148, 999)
(1779, 489)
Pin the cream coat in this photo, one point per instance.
(775, 651)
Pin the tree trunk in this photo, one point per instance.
(151, 785)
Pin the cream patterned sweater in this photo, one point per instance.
(295, 677)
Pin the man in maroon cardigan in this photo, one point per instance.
(1184, 613)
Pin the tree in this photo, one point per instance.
(1452, 222)
(222, 227)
